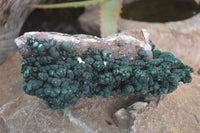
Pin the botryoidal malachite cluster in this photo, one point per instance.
(58, 75)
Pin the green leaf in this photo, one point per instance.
(109, 13)
(69, 4)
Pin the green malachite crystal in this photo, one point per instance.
(57, 74)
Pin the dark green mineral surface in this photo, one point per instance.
(61, 77)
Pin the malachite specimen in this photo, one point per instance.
(61, 77)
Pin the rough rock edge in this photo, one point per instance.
(82, 42)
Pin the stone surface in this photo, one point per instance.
(122, 118)
(138, 106)
(175, 113)
(128, 41)
(10, 79)
(181, 37)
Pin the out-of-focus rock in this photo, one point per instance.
(122, 118)
(91, 26)
(13, 13)
(180, 37)
(10, 79)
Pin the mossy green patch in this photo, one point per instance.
(56, 74)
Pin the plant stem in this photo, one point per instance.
(110, 13)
